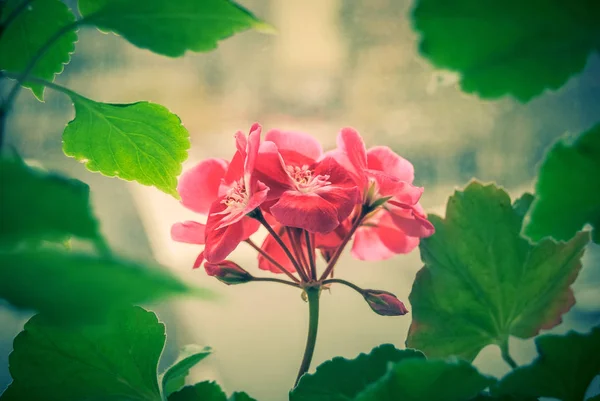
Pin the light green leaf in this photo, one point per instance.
(418, 379)
(205, 391)
(568, 189)
(114, 361)
(174, 377)
(564, 368)
(37, 206)
(511, 47)
(482, 281)
(342, 379)
(71, 287)
(28, 32)
(170, 27)
(140, 141)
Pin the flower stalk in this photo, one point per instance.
(313, 294)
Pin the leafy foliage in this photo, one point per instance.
(568, 189)
(28, 33)
(205, 391)
(139, 141)
(483, 282)
(70, 287)
(170, 27)
(114, 361)
(38, 206)
(510, 47)
(416, 379)
(174, 377)
(564, 368)
(343, 379)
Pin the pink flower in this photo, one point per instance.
(315, 195)
(384, 303)
(396, 221)
(275, 251)
(228, 272)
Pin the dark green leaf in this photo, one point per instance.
(174, 378)
(487, 397)
(28, 32)
(139, 141)
(205, 391)
(38, 206)
(114, 361)
(483, 282)
(342, 379)
(564, 368)
(68, 286)
(568, 189)
(418, 379)
(170, 27)
(509, 47)
(240, 397)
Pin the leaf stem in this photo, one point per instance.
(313, 294)
(346, 283)
(270, 259)
(297, 249)
(276, 280)
(506, 355)
(48, 84)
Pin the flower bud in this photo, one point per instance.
(384, 303)
(228, 272)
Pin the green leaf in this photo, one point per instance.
(509, 47)
(240, 396)
(564, 368)
(418, 379)
(38, 206)
(174, 378)
(568, 189)
(482, 281)
(139, 141)
(114, 361)
(71, 287)
(342, 379)
(170, 27)
(204, 391)
(28, 33)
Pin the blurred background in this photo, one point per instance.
(333, 63)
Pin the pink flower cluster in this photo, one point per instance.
(307, 199)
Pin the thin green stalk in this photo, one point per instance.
(270, 259)
(311, 255)
(313, 294)
(346, 283)
(506, 355)
(297, 249)
(276, 280)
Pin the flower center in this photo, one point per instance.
(237, 196)
(305, 180)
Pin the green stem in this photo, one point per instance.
(311, 255)
(346, 283)
(313, 294)
(506, 355)
(276, 280)
(270, 259)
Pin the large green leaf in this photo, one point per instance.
(240, 396)
(427, 380)
(174, 377)
(114, 361)
(564, 368)
(483, 282)
(568, 189)
(139, 141)
(38, 206)
(204, 391)
(511, 47)
(28, 32)
(69, 287)
(343, 379)
(170, 27)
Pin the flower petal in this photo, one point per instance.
(250, 226)
(189, 232)
(221, 242)
(412, 221)
(296, 148)
(199, 186)
(270, 169)
(368, 246)
(251, 152)
(235, 215)
(274, 250)
(198, 260)
(395, 239)
(350, 142)
(402, 191)
(384, 159)
(305, 210)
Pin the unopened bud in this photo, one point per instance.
(384, 303)
(228, 272)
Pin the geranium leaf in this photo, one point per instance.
(568, 189)
(170, 27)
(174, 377)
(204, 391)
(139, 141)
(36, 206)
(113, 361)
(343, 379)
(28, 32)
(482, 281)
(564, 368)
(70, 287)
(508, 47)
(240, 396)
(417, 379)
